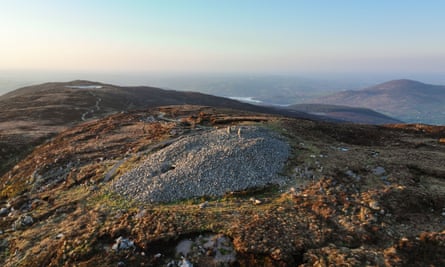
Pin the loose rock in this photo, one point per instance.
(4, 211)
(379, 171)
(210, 164)
(185, 263)
(122, 244)
(22, 222)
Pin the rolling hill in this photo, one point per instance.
(94, 174)
(406, 100)
(30, 115)
(344, 113)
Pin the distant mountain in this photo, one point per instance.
(345, 113)
(406, 100)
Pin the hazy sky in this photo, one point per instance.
(273, 36)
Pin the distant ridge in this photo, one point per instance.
(403, 84)
(345, 113)
(407, 100)
(61, 103)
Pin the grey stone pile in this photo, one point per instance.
(209, 164)
(122, 244)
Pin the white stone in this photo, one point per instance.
(184, 247)
(185, 263)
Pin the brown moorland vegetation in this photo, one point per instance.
(357, 195)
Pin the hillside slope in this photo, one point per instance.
(32, 114)
(406, 100)
(344, 113)
(349, 195)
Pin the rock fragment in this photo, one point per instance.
(22, 222)
(4, 211)
(379, 171)
(123, 244)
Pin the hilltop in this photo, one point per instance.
(407, 100)
(345, 194)
(32, 114)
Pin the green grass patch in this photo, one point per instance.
(112, 200)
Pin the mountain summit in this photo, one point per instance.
(404, 84)
(407, 100)
(143, 188)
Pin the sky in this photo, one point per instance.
(224, 36)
